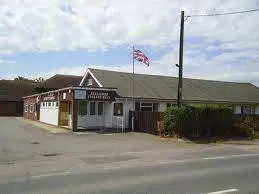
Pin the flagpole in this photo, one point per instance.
(133, 88)
(133, 74)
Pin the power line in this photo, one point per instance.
(221, 14)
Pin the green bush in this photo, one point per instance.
(198, 121)
(244, 127)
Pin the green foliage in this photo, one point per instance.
(20, 78)
(198, 121)
(244, 127)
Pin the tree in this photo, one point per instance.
(20, 78)
(39, 80)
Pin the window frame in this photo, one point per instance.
(83, 110)
(32, 107)
(142, 105)
(244, 109)
(98, 108)
(26, 107)
(90, 106)
(90, 81)
(115, 104)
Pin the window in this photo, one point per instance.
(169, 104)
(43, 103)
(143, 106)
(92, 108)
(26, 107)
(89, 82)
(32, 107)
(118, 109)
(137, 106)
(155, 106)
(100, 108)
(246, 109)
(82, 108)
(56, 104)
(49, 104)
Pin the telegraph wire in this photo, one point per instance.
(222, 14)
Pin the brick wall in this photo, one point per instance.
(30, 109)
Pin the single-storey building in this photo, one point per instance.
(104, 98)
(11, 96)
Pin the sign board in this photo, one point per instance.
(80, 94)
(100, 95)
(49, 97)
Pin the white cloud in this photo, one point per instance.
(6, 62)
(45, 25)
(54, 25)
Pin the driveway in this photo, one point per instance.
(30, 149)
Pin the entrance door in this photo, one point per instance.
(64, 111)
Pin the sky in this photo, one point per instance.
(44, 37)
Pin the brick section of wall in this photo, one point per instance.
(32, 115)
(68, 95)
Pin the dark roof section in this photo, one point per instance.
(11, 90)
(61, 81)
(165, 87)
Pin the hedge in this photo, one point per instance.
(199, 121)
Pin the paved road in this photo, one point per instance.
(196, 176)
(115, 163)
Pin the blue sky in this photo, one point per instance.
(40, 39)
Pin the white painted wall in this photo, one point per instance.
(127, 106)
(257, 109)
(70, 120)
(108, 112)
(91, 121)
(161, 107)
(237, 109)
(49, 114)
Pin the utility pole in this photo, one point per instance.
(180, 65)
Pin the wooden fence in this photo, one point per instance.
(145, 121)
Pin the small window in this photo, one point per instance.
(89, 82)
(169, 104)
(31, 107)
(146, 106)
(118, 109)
(82, 107)
(92, 108)
(155, 106)
(56, 104)
(49, 104)
(137, 106)
(246, 109)
(26, 107)
(100, 108)
(43, 103)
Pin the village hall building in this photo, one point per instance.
(103, 99)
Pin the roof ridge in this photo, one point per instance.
(67, 75)
(187, 78)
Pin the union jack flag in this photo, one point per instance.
(140, 56)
